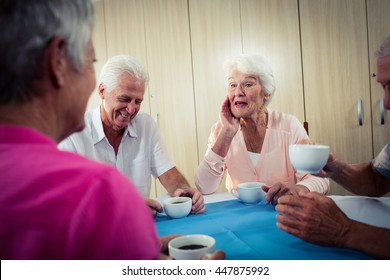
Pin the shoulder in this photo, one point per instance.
(283, 120)
(92, 127)
(144, 124)
(92, 121)
(72, 162)
(143, 117)
(387, 149)
(105, 198)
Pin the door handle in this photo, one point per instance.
(382, 111)
(360, 113)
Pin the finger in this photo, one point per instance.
(164, 240)
(288, 229)
(271, 193)
(282, 192)
(200, 210)
(291, 200)
(179, 192)
(153, 211)
(156, 208)
(165, 257)
(154, 205)
(197, 203)
(265, 188)
(217, 255)
(294, 213)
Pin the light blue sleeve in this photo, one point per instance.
(382, 161)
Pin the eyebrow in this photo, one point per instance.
(247, 77)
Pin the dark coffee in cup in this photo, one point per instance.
(192, 247)
(177, 202)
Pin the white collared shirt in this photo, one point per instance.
(141, 154)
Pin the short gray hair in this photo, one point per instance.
(256, 65)
(27, 27)
(384, 49)
(118, 65)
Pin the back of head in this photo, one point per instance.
(384, 49)
(27, 27)
(253, 64)
(118, 65)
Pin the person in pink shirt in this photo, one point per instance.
(250, 142)
(56, 204)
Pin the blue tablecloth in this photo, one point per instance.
(247, 232)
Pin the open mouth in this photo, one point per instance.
(124, 115)
(240, 104)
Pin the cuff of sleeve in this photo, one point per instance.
(316, 184)
(215, 161)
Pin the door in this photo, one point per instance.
(215, 29)
(271, 29)
(378, 12)
(336, 77)
(171, 86)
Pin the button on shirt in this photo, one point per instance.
(141, 154)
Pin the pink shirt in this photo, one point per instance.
(59, 205)
(273, 165)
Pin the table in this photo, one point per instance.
(249, 232)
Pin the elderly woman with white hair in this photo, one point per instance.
(250, 142)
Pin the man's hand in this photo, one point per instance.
(154, 206)
(279, 189)
(198, 206)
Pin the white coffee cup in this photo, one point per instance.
(249, 192)
(191, 247)
(177, 207)
(307, 158)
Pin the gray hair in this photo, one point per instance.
(27, 27)
(256, 65)
(118, 65)
(384, 49)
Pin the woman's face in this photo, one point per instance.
(245, 94)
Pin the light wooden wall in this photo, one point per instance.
(320, 51)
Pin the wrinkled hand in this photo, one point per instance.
(274, 192)
(332, 165)
(298, 189)
(217, 255)
(154, 206)
(164, 240)
(278, 190)
(198, 206)
(229, 122)
(313, 217)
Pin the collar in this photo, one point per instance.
(97, 127)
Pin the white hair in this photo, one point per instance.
(256, 65)
(384, 49)
(118, 65)
(27, 27)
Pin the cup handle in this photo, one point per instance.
(233, 191)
